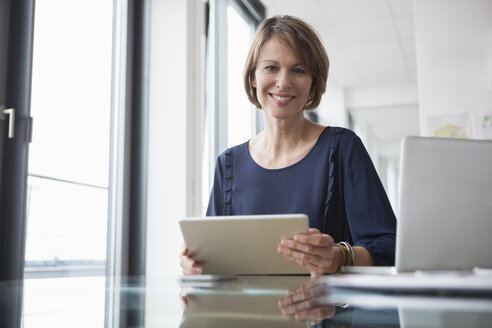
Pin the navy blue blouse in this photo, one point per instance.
(335, 185)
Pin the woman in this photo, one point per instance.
(296, 166)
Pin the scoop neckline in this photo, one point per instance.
(299, 162)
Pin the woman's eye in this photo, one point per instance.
(299, 71)
(271, 68)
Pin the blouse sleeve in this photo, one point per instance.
(215, 204)
(371, 220)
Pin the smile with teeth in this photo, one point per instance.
(282, 98)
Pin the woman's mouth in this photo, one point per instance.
(281, 99)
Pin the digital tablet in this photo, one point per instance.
(245, 244)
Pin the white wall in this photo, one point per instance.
(382, 96)
(454, 67)
(382, 117)
(175, 145)
(175, 141)
(332, 110)
(167, 135)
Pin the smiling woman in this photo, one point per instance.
(307, 53)
(297, 166)
(282, 83)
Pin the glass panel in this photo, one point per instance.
(66, 221)
(71, 90)
(67, 201)
(240, 113)
(67, 208)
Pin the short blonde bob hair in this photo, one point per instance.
(306, 45)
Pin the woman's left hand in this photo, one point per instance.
(313, 250)
(310, 302)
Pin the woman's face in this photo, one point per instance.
(281, 80)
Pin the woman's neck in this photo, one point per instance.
(283, 142)
(280, 136)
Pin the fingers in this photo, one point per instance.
(314, 264)
(317, 259)
(317, 314)
(190, 268)
(308, 303)
(192, 271)
(303, 258)
(314, 237)
(312, 250)
(309, 290)
(183, 297)
(306, 247)
(312, 288)
(183, 300)
(188, 265)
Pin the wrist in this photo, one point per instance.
(338, 259)
(344, 256)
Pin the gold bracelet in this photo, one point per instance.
(349, 252)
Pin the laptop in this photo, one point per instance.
(445, 220)
(242, 244)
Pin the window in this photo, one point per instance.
(230, 119)
(240, 112)
(69, 161)
(69, 156)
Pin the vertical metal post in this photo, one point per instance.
(14, 156)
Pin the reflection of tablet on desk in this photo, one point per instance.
(243, 244)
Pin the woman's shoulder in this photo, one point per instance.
(339, 134)
(235, 150)
(341, 140)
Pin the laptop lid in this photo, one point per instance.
(445, 219)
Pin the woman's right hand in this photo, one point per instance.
(188, 265)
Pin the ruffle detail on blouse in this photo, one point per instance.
(228, 182)
(337, 133)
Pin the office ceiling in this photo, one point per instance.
(369, 42)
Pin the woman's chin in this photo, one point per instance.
(284, 114)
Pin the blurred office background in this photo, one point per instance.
(133, 101)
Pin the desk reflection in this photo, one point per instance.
(277, 302)
(256, 301)
(304, 302)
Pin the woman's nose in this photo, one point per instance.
(283, 80)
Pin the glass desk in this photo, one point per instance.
(247, 301)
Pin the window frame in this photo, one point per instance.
(216, 109)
